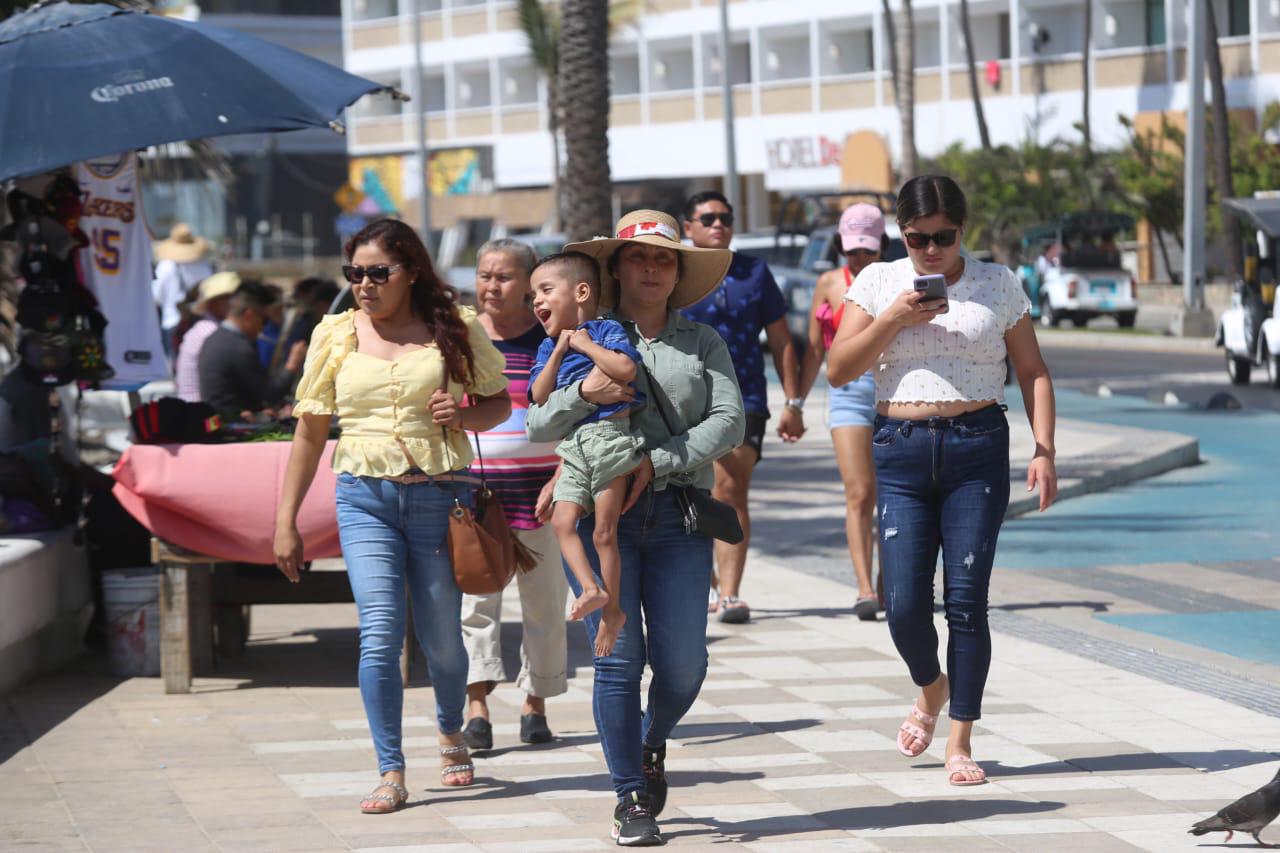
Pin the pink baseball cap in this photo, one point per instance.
(861, 227)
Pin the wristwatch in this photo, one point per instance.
(796, 403)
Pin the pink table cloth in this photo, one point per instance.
(220, 499)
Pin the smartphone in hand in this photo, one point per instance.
(933, 287)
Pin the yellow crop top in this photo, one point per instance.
(382, 405)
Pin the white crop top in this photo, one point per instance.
(958, 355)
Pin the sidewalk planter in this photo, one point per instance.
(45, 604)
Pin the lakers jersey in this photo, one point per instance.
(116, 266)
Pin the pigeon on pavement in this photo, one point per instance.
(1251, 813)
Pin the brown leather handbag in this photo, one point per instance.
(484, 551)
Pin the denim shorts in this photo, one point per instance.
(853, 404)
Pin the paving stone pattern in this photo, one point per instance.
(789, 748)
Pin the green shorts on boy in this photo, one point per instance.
(595, 454)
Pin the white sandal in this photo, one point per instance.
(452, 769)
(401, 797)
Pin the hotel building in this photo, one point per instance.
(813, 94)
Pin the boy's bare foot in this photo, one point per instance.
(611, 623)
(590, 601)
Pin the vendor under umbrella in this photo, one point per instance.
(232, 379)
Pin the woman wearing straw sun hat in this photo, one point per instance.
(647, 274)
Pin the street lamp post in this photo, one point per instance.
(726, 88)
(420, 88)
(1193, 190)
(1039, 38)
(1193, 320)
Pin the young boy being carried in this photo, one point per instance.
(602, 450)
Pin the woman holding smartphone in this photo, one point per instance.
(941, 447)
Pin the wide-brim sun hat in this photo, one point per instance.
(182, 246)
(217, 285)
(702, 269)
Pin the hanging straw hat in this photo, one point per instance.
(703, 269)
(216, 285)
(182, 247)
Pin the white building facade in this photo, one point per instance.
(807, 76)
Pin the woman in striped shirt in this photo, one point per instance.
(518, 469)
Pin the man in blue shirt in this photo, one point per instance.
(746, 303)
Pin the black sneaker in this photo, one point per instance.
(633, 823)
(655, 777)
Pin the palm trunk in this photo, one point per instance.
(584, 72)
(907, 90)
(1085, 129)
(553, 124)
(1222, 146)
(983, 135)
(893, 47)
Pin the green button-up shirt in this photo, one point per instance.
(697, 388)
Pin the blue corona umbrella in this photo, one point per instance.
(84, 81)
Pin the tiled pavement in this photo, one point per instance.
(790, 747)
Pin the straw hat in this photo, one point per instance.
(703, 268)
(182, 247)
(216, 285)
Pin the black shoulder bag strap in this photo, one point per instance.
(702, 513)
(657, 395)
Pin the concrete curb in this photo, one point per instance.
(1123, 341)
(1161, 452)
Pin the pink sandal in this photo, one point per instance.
(908, 728)
(960, 764)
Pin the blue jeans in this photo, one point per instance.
(396, 535)
(942, 481)
(665, 576)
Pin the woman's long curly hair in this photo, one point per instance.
(429, 297)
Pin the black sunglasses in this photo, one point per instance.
(860, 253)
(378, 273)
(920, 240)
(709, 219)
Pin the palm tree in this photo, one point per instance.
(973, 76)
(584, 72)
(541, 29)
(905, 90)
(893, 47)
(1222, 144)
(1088, 43)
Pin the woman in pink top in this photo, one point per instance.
(852, 406)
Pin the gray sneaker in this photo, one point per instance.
(734, 611)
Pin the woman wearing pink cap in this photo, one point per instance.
(851, 407)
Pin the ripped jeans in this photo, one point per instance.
(942, 482)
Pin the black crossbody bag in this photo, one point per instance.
(702, 513)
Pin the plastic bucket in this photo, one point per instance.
(131, 605)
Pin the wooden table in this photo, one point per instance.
(198, 592)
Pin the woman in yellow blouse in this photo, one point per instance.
(394, 373)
